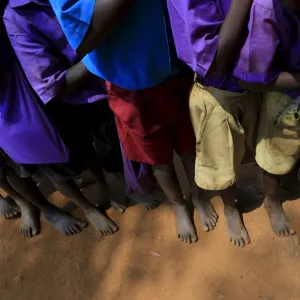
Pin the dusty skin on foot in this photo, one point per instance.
(184, 226)
(279, 221)
(237, 232)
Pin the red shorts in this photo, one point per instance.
(154, 122)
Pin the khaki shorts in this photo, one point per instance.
(224, 124)
(278, 143)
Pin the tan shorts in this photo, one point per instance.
(278, 143)
(224, 124)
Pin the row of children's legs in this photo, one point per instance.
(223, 125)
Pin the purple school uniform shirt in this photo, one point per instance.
(195, 25)
(272, 45)
(45, 56)
(44, 53)
(27, 136)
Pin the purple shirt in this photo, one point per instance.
(27, 136)
(273, 44)
(44, 52)
(195, 26)
(45, 56)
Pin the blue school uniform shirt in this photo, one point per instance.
(136, 54)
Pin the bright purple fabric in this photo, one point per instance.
(44, 53)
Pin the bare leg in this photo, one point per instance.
(207, 213)
(279, 221)
(167, 178)
(235, 227)
(8, 208)
(30, 222)
(30, 192)
(148, 201)
(99, 221)
(95, 167)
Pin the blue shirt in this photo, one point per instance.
(135, 56)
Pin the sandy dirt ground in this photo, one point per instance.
(144, 260)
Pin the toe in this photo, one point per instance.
(110, 231)
(292, 231)
(71, 231)
(188, 239)
(286, 232)
(242, 243)
(76, 229)
(212, 225)
(35, 231)
(214, 219)
(247, 240)
(237, 243)
(194, 239)
(206, 228)
(82, 224)
(115, 228)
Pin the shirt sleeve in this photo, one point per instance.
(74, 17)
(257, 58)
(45, 73)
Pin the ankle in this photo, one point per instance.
(229, 208)
(271, 202)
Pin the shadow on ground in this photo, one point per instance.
(144, 260)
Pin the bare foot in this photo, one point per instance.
(184, 226)
(30, 222)
(147, 201)
(235, 227)
(207, 213)
(62, 222)
(119, 207)
(101, 222)
(8, 208)
(279, 221)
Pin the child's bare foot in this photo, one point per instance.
(279, 221)
(101, 223)
(147, 201)
(235, 227)
(207, 213)
(8, 208)
(120, 207)
(184, 226)
(30, 222)
(62, 222)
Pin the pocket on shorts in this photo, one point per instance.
(200, 110)
(285, 136)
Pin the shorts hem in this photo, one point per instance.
(270, 170)
(213, 186)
